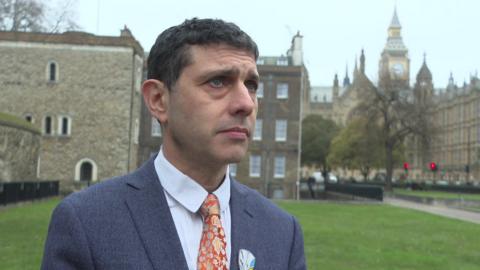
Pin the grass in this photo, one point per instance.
(23, 229)
(347, 236)
(337, 236)
(15, 121)
(438, 194)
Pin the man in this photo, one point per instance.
(181, 210)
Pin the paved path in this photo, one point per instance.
(437, 210)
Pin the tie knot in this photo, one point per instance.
(210, 206)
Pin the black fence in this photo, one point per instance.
(373, 192)
(25, 191)
(427, 186)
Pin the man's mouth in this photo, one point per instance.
(237, 133)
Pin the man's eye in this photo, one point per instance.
(216, 82)
(252, 86)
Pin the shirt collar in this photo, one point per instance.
(186, 191)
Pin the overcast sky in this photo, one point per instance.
(334, 31)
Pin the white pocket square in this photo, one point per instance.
(246, 260)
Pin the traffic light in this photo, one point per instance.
(406, 166)
(433, 166)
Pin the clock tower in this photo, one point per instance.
(394, 63)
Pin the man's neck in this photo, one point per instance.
(209, 176)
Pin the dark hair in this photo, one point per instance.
(170, 53)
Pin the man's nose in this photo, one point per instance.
(243, 101)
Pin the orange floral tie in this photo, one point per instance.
(212, 254)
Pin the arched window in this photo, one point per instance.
(29, 118)
(52, 71)
(47, 125)
(86, 170)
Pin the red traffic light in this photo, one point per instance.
(406, 166)
(433, 166)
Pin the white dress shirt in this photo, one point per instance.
(184, 197)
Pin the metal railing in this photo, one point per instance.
(14, 192)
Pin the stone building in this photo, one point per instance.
(19, 149)
(83, 92)
(456, 148)
(273, 162)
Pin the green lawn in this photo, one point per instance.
(337, 236)
(346, 236)
(437, 194)
(23, 230)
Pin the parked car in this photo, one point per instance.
(318, 177)
(332, 178)
(441, 182)
(382, 176)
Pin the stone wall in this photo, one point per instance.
(97, 88)
(19, 150)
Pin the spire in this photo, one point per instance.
(335, 89)
(450, 80)
(346, 80)
(355, 70)
(424, 73)
(362, 63)
(394, 40)
(395, 22)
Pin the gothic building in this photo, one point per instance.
(454, 112)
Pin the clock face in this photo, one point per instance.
(397, 69)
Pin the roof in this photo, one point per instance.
(424, 72)
(395, 22)
(74, 38)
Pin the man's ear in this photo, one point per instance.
(156, 96)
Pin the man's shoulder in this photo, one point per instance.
(114, 189)
(99, 193)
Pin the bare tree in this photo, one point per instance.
(36, 16)
(399, 115)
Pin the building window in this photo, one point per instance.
(280, 130)
(29, 118)
(260, 61)
(282, 61)
(278, 194)
(52, 71)
(156, 128)
(279, 169)
(233, 169)
(47, 125)
(257, 135)
(86, 170)
(64, 125)
(282, 90)
(255, 165)
(260, 90)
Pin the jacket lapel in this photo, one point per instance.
(150, 212)
(242, 223)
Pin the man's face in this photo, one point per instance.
(212, 106)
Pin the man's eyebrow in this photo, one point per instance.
(252, 75)
(227, 72)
